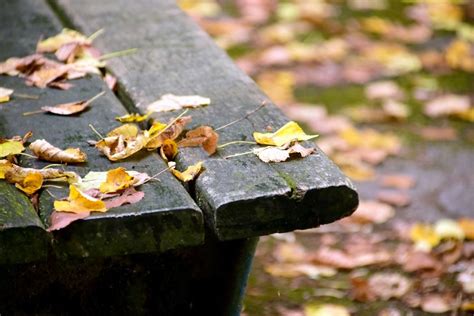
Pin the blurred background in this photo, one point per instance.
(388, 86)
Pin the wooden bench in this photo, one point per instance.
(182, 249)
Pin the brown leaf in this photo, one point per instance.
(168, 150)
(373, 212)
(203, 135)
(448, 104)
(340, 259)
(45, 151)
(435, 303)
(389, 285)
(129, 196)
(360, 290)
(300, 150)
(16, 174)
(395, 198)
(384, 90)
(48, 73)
(60, 220)
(71, 107)
(15, 66)
(172, 132)
(398, 181)
(418, 261)
(433, 133)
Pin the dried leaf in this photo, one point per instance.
(398, 181)
(433, 133)
(419, 261)
(5, 94)
(31, 183)
(126, 130)
(424, 236)
(45, 151)
(60, 220)
(70, 108)
(168, 150)
(271, 154)
(157, 134)
(466, 279)
(325, 310)
(16, 174)
(384, 90)
(128, 196)
(15, 66)
(448, 104)
(52, 44)
(396, 110)
(448, 229)
(435, 303)
(5, 165)
(133, 117)
(117, 180)
(395, 198)
(203, 135)
(373, 212)
(389, 285)
(46, 74)
(93, 179)
(10, 147)
(466, 224)
(189, 174)
(79, 202)
(291, 131)
(170, 102)
(293, 270)
(340, 259)
(121, 147)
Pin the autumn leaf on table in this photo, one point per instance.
(16, 174)
(291, 131)
(60, 220)
(117, 180)
(14, 66)
(168, 150)
(170, 102)
(69, 108)
(46, 74)
(31, 183)
(94, 179)
(14, 145)
(79, 202)
(189, 174)
(45, 151)
(122, 142)
(159, 132)
(203, 136)
(5, 165)
(67, 36)
(133, 117)
(282, 153)
(5, 94)
(128, 196)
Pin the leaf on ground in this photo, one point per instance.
(5, 165)
(396, 110)
(116, 180)
(93, 179)
(60, 220)
(46, 74)
(341, 259)
(448, 229)
(271, 154)
(393, 197)
(289, 132)
(418, 261)
(325, 310)
(5, 94)
(436, 304)
(10, 147)
(448, 104)
(388, 285)
(189, 174)
(388, 90)
(31, 183)
(203, 136)
(459, 55)
(128, 196)
(433, 133)
(71, 107)
(466, 279)
(45, 151)
(52, 44)
(170, 102)
(16, 174)
(424, 236)
(293, 270)
(79, 202)
(290, 252)
(398, 181)
(373, 212)
(158, 132)
(168, 150)
(14, 66)
(467, 225)
(133, 117)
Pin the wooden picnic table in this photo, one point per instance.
(182, 249)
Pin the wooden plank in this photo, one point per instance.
(242, 196)
(166, 218)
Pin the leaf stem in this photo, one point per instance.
(51, 165)
(96, 34)
(171, 123)
(95, 97)
(237, 142)
(33, 112)
(239, 154)
(156, 175)
(95, 131)
(242, 118)
(28, 155)
(26, 96)
(119, 53)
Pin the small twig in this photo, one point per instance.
(52, 165)
(26, 96)
(242, 118)
(28, 155)
(95, 97)
(171, 123)
(120, 53)
(96, 34)
(51, 194)
(237, 142)
(51, 186)
(95, 131)
(33, 112)
(239, 154)
(156, 175)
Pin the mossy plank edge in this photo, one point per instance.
(166, 201)
(175, 56)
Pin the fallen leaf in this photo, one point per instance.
(424, 236)
(448, 229)
(290, 252)
(370, 211)
(293, 270)
(169, 149)
(71, 107)
(14, 66)
(389, 285)
(435, 303)
(93, 179)
(133, 117)
(467, 225)
(16, 174)
(340, 259)
(419, 261)
(79, 202)
(360, 290)
(398, 181)
(433, 133)
(466, 279)
(126, 130)
(45, 151)
(395, 109)
(120, 147)
(60, 220)
(291, 131)
(47, 74)
(395, 198)
(325, 310)
(5, 94)
(203, 136)
(459, 55)
(157, 133)
(52, 44)
(31, 183)
(384, 90)
(271, 154)
(117, 180)
(110, 81)
(170, 102)
(10, 147)
(189, 174)
(128, 196)
(448, 104)
(5, 165)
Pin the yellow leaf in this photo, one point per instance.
(448, 229)
(189, 174)
(467, 225)
(10, 147)
(169, 149)
(424, 236)
(5, 94)
(117, 179)
(5, 165)
(31, 183)
(126, 130)
(325, 310)
(51, 44)
(133, 117)
(289, 132)
(79, 202)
